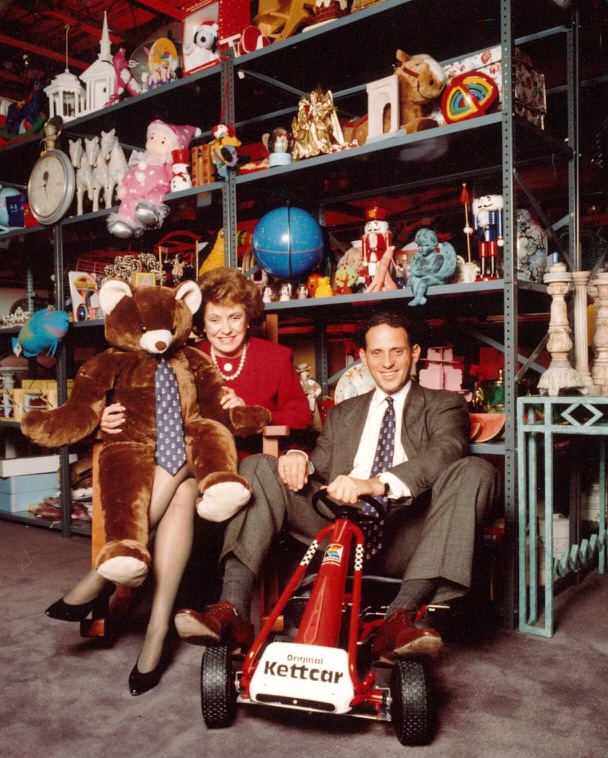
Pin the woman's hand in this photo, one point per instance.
(293, 470)
(112, 419)
(230, 399)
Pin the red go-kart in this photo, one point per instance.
(325, 665)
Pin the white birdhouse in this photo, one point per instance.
(100, 77)
(66, 96)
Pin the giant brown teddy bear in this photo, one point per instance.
(143, 325)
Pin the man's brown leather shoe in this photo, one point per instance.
(397, 637)
(220, 624)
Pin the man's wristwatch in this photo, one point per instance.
(387, 489)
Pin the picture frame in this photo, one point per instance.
(144, 279)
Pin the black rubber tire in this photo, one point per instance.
(218, 691)
(410, 703)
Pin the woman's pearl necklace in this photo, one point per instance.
(229, 365)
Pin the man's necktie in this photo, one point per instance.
(382, 461)
(170, 447)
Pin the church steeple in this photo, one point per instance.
(105, 46)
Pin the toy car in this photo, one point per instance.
(326, 665)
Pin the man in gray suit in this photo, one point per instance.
(436, 495)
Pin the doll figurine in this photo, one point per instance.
(432, 264)
(143, 189)
(278, 143)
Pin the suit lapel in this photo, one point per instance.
(349, 432)
(413, 420)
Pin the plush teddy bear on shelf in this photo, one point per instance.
(143, 189)
(147, 329)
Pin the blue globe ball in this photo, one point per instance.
(288, 243)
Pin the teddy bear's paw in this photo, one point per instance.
(124, 571)
(222, 501)
(124, 562)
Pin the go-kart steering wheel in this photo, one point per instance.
(344, 510)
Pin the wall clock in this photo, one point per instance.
(50, 189)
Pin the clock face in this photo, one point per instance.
(50, 189)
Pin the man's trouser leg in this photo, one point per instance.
(435, 537)
(272, 506)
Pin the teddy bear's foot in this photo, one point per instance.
(123, 227)
(222, 501)
(151, 214)
(124, 562)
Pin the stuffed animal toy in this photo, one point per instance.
(145, 326)
(421, 81)
(224, 149)
(143, 189)
(203, 48)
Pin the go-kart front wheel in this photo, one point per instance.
(218, 691)
(410, 703)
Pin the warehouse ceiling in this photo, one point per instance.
(36, 36)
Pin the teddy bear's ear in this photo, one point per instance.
(112, 292)
(190, 293)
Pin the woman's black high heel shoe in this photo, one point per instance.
(140, 683)
(63, 611)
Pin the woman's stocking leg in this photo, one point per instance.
(172, 547)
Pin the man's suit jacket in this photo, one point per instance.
(434, 433)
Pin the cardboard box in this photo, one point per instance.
(201, 38)
(529, 90)
(37, 464)
(227, 19)
(17, 493)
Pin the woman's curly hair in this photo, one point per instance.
(228, 286)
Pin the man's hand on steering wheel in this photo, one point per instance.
(347, 489)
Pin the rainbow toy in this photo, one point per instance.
(467, 96)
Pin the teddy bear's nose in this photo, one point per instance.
(160, 346)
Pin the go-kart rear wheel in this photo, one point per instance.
(218, 691)
(410, 703)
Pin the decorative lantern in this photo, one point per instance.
(66, 96)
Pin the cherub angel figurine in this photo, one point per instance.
(432, 264)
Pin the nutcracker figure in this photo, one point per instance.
(375, 240)
(488, 225)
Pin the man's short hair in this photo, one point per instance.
(394, 319)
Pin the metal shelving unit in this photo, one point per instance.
(256, 90)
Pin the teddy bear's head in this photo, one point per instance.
(154, 319)
(420, 75)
